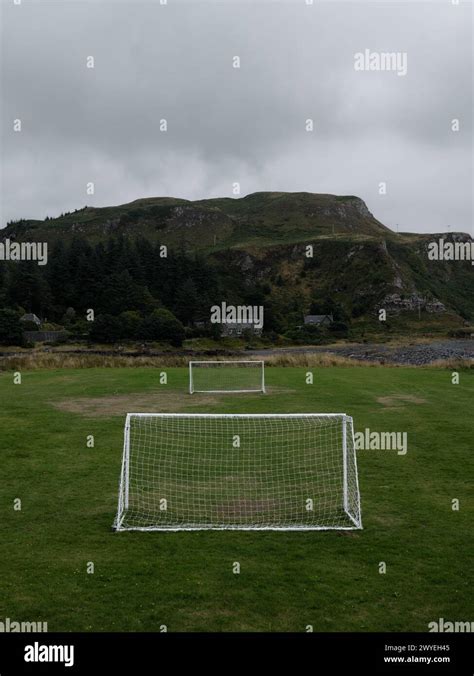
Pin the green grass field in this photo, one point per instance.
(287, 580)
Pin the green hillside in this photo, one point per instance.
(260, 218)
(246, 250)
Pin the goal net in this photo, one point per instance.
(238, 471)
(226, 376)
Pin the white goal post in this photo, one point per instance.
(199, 471)
(219, 377)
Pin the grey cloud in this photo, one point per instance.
(246, 125)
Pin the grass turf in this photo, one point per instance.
(329, 580)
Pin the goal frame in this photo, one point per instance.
(261, 389)
(347, 422)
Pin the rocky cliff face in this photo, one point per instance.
(360, 277)
(414, 302)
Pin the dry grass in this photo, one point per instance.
(311, 359)
(121, 404)
(164, 401)
(393, 401)
(56, 360)
(455, 363)
(40, 360)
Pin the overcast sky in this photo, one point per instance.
(245, 125)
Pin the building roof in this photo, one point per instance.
(30, 317)
(316, 319)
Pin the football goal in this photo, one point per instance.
(226, 376)
(203, 471)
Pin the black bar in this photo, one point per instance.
(169, 652)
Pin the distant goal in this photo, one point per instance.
(217, 377)
(238, 472)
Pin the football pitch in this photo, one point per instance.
(61, 443)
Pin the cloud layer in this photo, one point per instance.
(244, 125)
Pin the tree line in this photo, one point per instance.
(134, 291)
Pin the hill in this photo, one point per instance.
(255, 249)
(262, 218)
